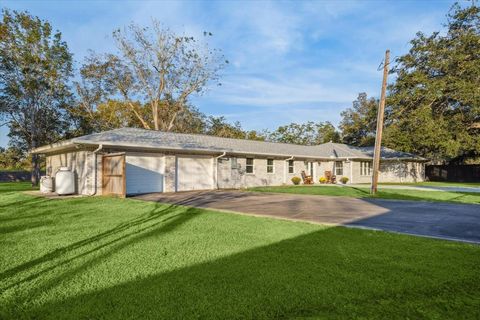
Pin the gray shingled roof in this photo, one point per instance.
(140, 138)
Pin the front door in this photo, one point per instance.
(113, 175)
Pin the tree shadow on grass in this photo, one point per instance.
(21, 227)
(333, 273)
(160, 220)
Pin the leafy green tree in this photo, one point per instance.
(326, 132)
(303, 133)
(435, 99)
(218, 126)
(358, 124)
(255, 135)
(308, 133)
(13, 158)
(35, 67)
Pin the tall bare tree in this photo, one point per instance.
(35, 66)
(153, 66)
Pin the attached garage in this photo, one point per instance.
(194, 173)
(144, 172)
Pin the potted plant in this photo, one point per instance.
(322, 180)
(344, 180)
(296, 180)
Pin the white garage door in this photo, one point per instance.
(194, 173)
(144, 172)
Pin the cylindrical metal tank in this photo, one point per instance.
(64, 181)
(46, 184)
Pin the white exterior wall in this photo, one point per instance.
(393, 171)
(324, 166)
(170, 173)
(80, 163)
(224, 177)
(298, 167)
(229, 178)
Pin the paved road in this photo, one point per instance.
(432, 219)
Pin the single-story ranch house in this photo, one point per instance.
(133, 161)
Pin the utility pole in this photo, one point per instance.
(378, 137)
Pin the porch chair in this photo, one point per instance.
(330, 177)
(306, 179)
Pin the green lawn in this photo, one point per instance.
(106, 258)
(437, 184)
(385, 193)
(15, 186)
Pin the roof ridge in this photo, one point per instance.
(347, 148)
(212, 136)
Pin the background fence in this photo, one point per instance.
(453, 173)
(15, 176)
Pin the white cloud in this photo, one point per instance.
(246, 90)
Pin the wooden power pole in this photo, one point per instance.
(378, 137)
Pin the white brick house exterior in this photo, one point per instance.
(189, 161)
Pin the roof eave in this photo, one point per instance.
(108, 144)
(53, 147)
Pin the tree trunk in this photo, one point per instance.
(35, 170)
(155, 117)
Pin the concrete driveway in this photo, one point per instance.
(432, 219)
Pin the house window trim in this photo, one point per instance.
(339, 167)
(291, 166)
(272, 166)
(233, 163)
(366, 168)
(248, 165)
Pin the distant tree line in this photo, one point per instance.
(433, 104)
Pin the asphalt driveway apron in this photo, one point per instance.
(432, 219)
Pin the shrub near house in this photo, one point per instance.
(344, 180)
(296, 180)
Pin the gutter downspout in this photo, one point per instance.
(216, 168)
(100, 147)
(285, 169)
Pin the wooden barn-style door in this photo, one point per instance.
(113, 175)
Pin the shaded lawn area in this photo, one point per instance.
(121, 258)
(437, 184)
(16, 186)
(398, 194)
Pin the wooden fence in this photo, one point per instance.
(453, 173)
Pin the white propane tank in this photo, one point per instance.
(46, 184)
(64, 181)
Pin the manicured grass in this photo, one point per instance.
(385, 193)
(15, 186)
(437, 184)
(106, 258)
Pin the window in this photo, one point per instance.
(234, 163)
(290, 166)
(365, 168)
(339, 168)
(270, 167)
(249, 166)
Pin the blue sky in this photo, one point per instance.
(289, 61)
